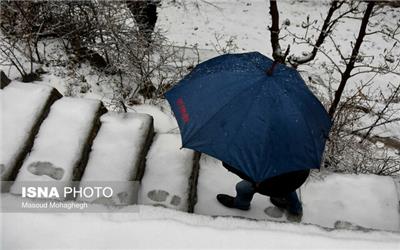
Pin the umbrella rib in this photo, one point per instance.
(223, 106)
(305, 121)
(247, 115)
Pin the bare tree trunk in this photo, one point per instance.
(276, 47)
(350, 65)
(145, 14)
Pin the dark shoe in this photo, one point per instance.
(229, 201)
(294, 217)
(294, 211)
(279, 202)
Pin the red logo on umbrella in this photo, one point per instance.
(182, 110)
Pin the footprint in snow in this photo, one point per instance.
(162, 196)
(339, 224)
(274, 212)
(46, 168)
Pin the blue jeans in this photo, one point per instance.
(245, 192)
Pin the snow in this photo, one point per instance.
(365, 200)
(166, 178)
(368, 201)
(246, 22)
(164, 122)
(22, 105)
(331, 201)
(115, 153)
(60, 142)
(154, 227)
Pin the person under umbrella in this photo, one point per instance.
(281, 189)
(259, 118)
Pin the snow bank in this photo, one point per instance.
(116, 153)
(365, 200)
(352, 200)
(168, 169)
(60, 143)
(154, 227)
(22, 104)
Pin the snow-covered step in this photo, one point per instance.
(333, 200)
(166, 181)
(118, 156)
(61, 147)
(23, 108)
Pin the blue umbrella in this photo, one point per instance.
(262, 125)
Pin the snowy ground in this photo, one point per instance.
(156, 227)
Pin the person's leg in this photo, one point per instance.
(290, 202)
(295, 206)
(244, 195)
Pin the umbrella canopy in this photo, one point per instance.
(262, 125)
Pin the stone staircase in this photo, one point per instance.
(74, 141)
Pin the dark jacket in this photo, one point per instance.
(277, 186)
